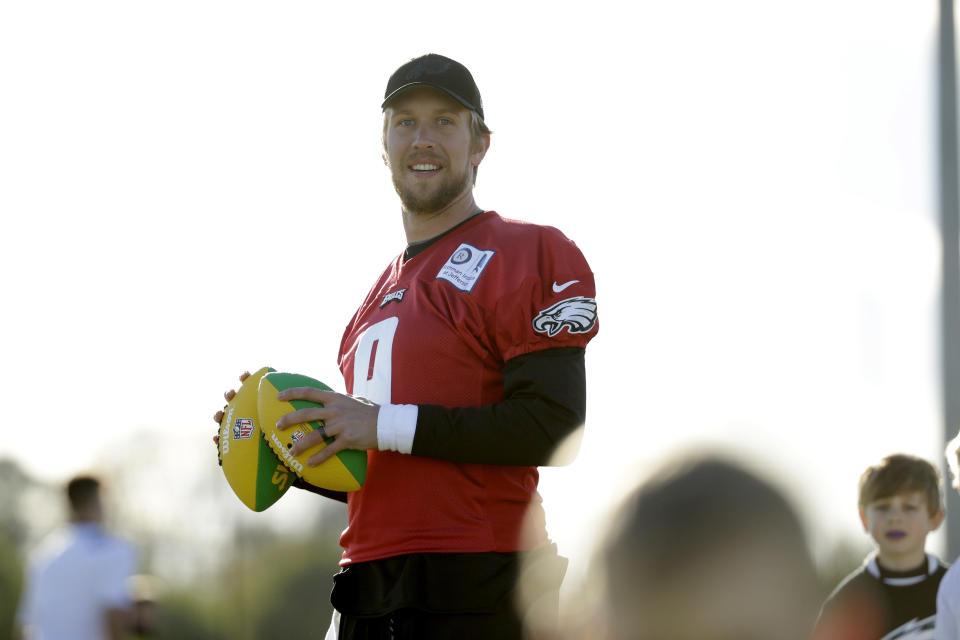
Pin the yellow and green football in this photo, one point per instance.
(253, 471)
(345, 471)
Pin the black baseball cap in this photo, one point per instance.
(439, 72)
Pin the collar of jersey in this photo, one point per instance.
(415, 248)
(901, 578)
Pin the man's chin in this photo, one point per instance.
(421, 208)
(429, 204)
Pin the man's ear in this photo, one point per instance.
(383, 156)
(863, 519)
(936, 520)
(480, 146)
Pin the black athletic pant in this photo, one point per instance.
(411, 624)
(445, 596)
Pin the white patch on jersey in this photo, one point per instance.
(464, 266)
(916, 629)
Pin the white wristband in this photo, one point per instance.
(396, 426)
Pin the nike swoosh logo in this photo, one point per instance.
(557, 288)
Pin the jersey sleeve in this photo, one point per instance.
(552, 300)
(119, 563)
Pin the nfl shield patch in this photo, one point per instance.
(242, 428)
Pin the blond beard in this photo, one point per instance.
(449, 191)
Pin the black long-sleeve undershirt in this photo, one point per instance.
(544, 402)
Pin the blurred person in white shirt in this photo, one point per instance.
(76, 582)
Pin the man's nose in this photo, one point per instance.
(423, 138)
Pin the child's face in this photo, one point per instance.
(899, 524)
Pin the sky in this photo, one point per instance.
(194, 189)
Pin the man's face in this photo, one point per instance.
(429, 149)
(899, 524)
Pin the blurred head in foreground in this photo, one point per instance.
(705, 550)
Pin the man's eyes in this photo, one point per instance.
(408, 122)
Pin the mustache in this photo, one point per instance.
(423, 158)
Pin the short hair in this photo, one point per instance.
(901, 473)
(82, 491)
(478, 128)
(704, 550)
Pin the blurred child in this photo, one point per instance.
(703, 550)
(948, 597)
(894, 593)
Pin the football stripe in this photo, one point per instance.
(272, 476)
(344, 472)
(354, 465)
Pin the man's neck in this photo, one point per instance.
(423, 226)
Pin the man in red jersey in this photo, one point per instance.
(464, 367)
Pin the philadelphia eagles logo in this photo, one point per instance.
(578, 315)
(396, 296)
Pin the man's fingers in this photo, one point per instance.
(308, 393)
(301, 416)
(324, 454)
(309, 441)
(228, 396)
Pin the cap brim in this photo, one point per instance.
(413, 85)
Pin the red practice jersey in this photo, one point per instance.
(436, 330)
